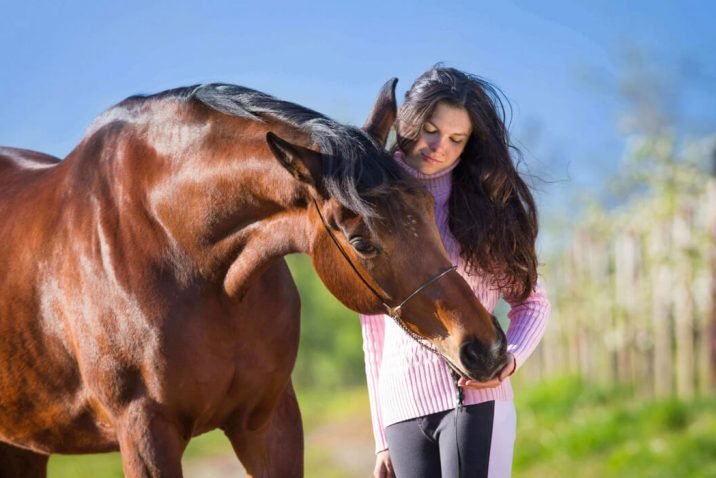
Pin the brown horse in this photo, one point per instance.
(143, 295)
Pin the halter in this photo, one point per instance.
(392, 312)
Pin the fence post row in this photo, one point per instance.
(635, 296)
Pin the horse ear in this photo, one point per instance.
(382, 117)
(303, 163)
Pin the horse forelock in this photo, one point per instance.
(396, 199)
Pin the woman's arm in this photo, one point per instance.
(528, 321)
(373, 328)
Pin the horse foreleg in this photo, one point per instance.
(20, 463)
(150, 442)
(274, 450)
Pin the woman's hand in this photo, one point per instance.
(383, 465)
(495, 382)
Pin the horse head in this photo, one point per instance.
(379, 250)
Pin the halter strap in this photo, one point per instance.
(396, 310)
(393, 312)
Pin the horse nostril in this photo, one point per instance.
(473, 356)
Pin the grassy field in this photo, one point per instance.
(565, 429)
(568, 430)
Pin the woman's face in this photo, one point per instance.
(442, 139)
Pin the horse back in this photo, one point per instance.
(27, 186)
(21, 172)
(15, 159)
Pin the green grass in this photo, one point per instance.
(332, 421)
(568, 429)
(86, 466)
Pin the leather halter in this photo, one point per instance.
(393, 312)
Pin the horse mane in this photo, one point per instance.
(355, 170)
(352, 163)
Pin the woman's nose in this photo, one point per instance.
(436, 144)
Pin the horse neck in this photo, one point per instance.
(234, 208)
(192, 193)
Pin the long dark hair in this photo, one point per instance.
(492, 213)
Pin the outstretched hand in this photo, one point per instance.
(508, 370)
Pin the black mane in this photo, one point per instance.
(352, 162)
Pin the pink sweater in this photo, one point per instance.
(407, 381)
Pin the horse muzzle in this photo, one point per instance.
(483, 361)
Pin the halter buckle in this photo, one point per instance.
(393, 311)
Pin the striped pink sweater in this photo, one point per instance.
(407, 381)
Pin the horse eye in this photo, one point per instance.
(362, 245)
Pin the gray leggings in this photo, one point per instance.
(426, 446)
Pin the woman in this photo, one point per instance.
(451, 136)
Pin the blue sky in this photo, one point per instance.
(559, 62)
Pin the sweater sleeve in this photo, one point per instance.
(528, 322)
(373, 328)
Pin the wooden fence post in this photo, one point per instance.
(625, 294)
(636, 299)
(661, 313)
(684, 310)
(711, 224)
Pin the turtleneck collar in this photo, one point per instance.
(439, 184)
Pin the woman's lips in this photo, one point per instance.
(429, 159)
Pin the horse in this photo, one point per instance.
(144, 298)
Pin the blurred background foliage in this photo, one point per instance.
(330, 355)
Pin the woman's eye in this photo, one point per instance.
(362, 245)
(429, 129)
(456, 141)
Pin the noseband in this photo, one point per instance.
(393, 312)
